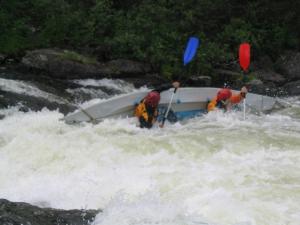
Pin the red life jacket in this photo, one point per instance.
(224, 94)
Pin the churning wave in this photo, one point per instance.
(215, 169)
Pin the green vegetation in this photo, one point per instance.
(152, 31)
(77, 57)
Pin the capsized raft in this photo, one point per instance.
(187, 102)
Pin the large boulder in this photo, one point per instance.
(267, 88)
(256, 86)
(263, 62)
(17, 213)
(227, 77)
(292, 88)
(128, 67)
(2, 58)
(199, 81)
(268, 75)
(32, 103)
(289, 65)
(64, 64)
(149, 80)
(227, 73)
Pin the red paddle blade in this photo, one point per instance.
(244, 56)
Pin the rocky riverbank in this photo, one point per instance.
(49, 75)
(64, 64)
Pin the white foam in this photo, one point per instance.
(26, 88)
(148, 209)
(97, 95)
(217, 168)
(116, 84)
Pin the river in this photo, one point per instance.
(218, 169)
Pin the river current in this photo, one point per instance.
(218, 169)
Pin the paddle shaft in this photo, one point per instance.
(244, 78)
(244, 108)
(169, 107)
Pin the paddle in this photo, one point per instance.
(244, 58)
(190, 50)
(189, 54)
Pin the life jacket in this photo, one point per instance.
(212, 104)
(219, 101)
(141, 111)
(217, 104)
(224, 94)
(236, 99)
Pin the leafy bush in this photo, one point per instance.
(77, 57)
(153, 31)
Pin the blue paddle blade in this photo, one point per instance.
(190, 50)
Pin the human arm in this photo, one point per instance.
(165, 87)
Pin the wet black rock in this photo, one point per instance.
(267, 75)
(226, 77)
(289, 65)
(256, 86)
(17, 213)
(262, 63)
(34, 92)
(64, 64)
(27, 103)
(128, 67)
(41, 80)
(267, 88)
(199, 81)
(292, 88)
(2, 58)
(150, 80)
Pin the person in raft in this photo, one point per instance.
(146, 111)
(225, 99)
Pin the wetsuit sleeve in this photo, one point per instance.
(163, 87)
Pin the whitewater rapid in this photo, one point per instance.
(214, 169)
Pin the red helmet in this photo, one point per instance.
(224, 94)
(152, 99)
